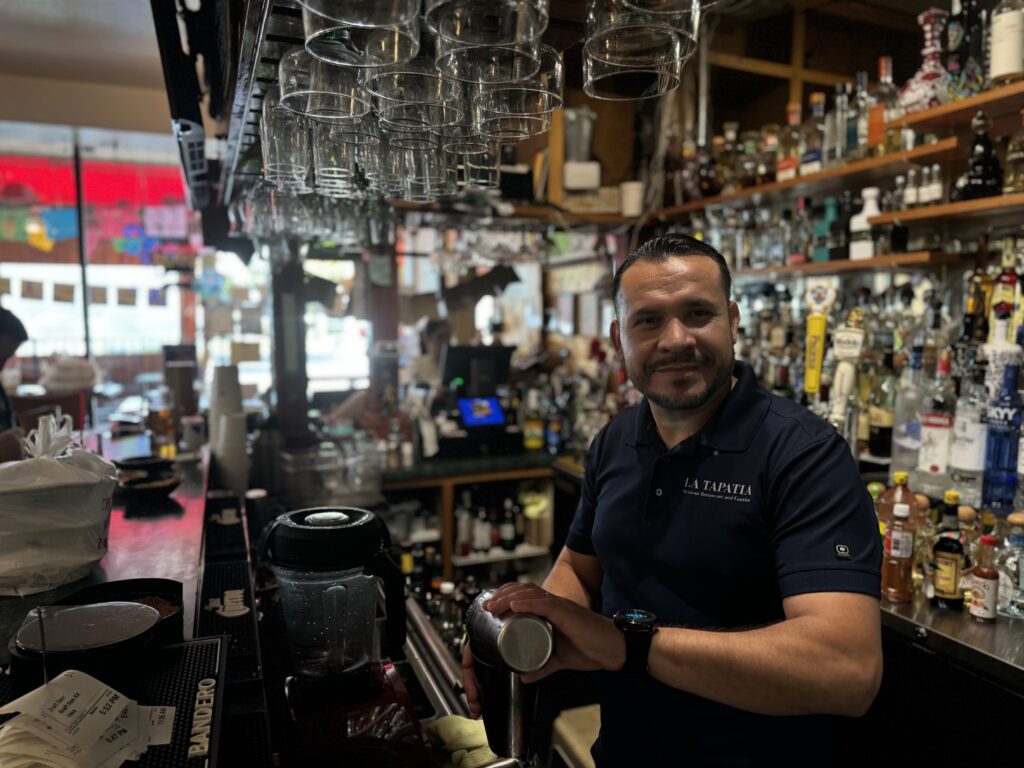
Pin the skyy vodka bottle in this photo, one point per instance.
(1003, 418)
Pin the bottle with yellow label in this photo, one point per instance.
(950, 560)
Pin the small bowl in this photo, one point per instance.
(149, 464)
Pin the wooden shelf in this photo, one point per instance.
(545, 213)
(892, 261)
(1008, 209)
(501, 555)
(997, 103)
(853, 175)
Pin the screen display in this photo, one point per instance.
(481, 411)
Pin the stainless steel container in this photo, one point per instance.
(519, 642)
(504, 647)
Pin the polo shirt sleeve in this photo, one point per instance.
(580, 537)
(825, 533)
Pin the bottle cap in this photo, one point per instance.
(966, 514)
(901, 510)
(447, 588)
(1017, 518)
(900, 478)
(952, 497)
(988, 540)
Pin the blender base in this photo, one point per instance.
(360, 717)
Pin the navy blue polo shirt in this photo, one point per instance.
(763, 503)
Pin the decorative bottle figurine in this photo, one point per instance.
(984, 175)
(928, 87)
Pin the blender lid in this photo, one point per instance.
(327, 538)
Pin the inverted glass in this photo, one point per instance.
(487, 22)
(344, 44)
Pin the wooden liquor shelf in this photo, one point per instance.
(915, 259)
(850, 176)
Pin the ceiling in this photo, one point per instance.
(100, 41)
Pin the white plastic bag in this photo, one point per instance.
(54, 511)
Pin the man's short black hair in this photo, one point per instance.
(665, 247)
(10, 325)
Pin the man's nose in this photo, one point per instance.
(676, 335)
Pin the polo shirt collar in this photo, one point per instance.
(731, 429)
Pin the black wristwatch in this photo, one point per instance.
(638, 627)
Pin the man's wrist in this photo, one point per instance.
(617, 659)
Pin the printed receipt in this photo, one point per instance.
(76, 721)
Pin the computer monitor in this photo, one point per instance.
(476, 371)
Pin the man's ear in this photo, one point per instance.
(734, 320)
(616, 340)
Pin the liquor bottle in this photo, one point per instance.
(967, 520)
(886, 109)
(787, 159)
(881, 410)
(554, 437)
(963, 353)
(507, 528)
(965, 50)
(834, 146)
(906, 437)
(984, 174)
(998, 353)
(768, 148)
(899, 194)
(801, 234)
(812, 135)
(857, 127)
(533, 423)
(727, 158)
(931, 335)
(1003, 418)
(746, 162)
(862, 245)
(823, 229)
(482, 531)
(985, 582)
(1010, 564)
(924, 187)
(929, 85)
(937, 413)
(464, 525)
(967, 457)
(1006, 43)
(949, 556)
(839, 240)
(936, 189)
(898, 560)
(911, 190)
(1014, 180)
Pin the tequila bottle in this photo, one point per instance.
(1010, 564)
(984, 174)
(812, 135)
(1014, 179)
(928, 87)
(881, 411)
(1006, 54)
(787, 160)
(1003, 418)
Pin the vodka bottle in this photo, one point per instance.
(1003, 418)
(967, 458)
(906, 436)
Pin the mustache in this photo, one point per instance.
(683, 358)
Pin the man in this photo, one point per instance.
(12, 336)
(737, 519)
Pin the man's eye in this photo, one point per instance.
(647, 321)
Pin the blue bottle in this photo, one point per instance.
(1003, 417)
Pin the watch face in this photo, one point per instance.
(634, 618)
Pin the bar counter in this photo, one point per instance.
(162, 541)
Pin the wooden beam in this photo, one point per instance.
(798, 57)
(774, 69)
(867, 13)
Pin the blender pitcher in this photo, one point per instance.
(329, 564)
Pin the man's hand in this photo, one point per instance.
(10, 445)
(584, 640)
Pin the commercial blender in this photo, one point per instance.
(342, 598)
